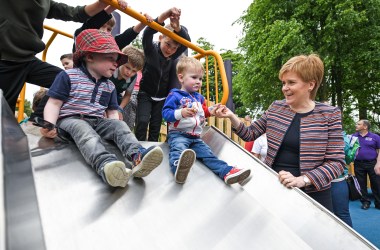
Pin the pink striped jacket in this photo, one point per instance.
(321, 140)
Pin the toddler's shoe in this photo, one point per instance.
(236, 175)
(115, 174)
(185, 162)
(146, 160)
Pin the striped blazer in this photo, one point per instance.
(321, 140)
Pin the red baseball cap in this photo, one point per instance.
(96, 41)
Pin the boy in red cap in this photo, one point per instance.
(78, 99)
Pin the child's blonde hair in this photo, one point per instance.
(135, 56)
(308, 68)
(185, 63)
(37, 97)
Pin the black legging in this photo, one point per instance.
(13, 75)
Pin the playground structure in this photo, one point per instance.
(53, 200)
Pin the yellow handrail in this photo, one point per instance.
(163, 30)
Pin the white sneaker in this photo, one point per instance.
(116, 174)
(185, 162)
(146, 161)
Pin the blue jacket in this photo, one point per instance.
(171, 112)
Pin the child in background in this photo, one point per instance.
(125, 77)
(131, 107)
(67, 61)
(154, 85)
(185, 111)
(79, 97)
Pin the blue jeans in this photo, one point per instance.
(88, 133)
(181, 141)
(339, 193)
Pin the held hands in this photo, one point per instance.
(49, 133)
(222, 111)
(288, 180)
(213, 108)
(189, 112)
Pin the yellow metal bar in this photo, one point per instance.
(207, 84)
(216, 83)
(58, 31)
(20, 104)
(182, 41)
(53, 36)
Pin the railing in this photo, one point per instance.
(222, 124)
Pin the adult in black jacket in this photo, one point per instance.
(21, 31)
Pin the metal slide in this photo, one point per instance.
(79, 211)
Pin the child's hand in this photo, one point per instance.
(149, 19)
(120, 116)
(213, 108)
(174, 22)
(123, 5)
(49, 133)
(188, 112)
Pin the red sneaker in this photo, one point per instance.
(236, 175)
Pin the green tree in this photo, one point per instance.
(28, 107)
(345, 33)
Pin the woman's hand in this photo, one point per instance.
(222, 111)
(289, 181)
(49, 133)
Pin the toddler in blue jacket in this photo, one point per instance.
(185, 111)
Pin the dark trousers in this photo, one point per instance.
(149, 113)
(361, 171)
(13, 75)
(324, 198)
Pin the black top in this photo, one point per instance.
(288, 156)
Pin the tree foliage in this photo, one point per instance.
(345, 33)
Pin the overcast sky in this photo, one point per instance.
(210, 19)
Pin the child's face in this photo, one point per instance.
(67, 63)
(102, 64)
(106, 28)
(127, 70)
(191, 80)
(168, 46)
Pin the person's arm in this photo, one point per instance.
(65, 12)
(112, 114)
(123, 5)
(94, 8)
(125, 99)
(223, 112)
(377, 166)
(51, 113)
(334, 162)
(170, 113)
